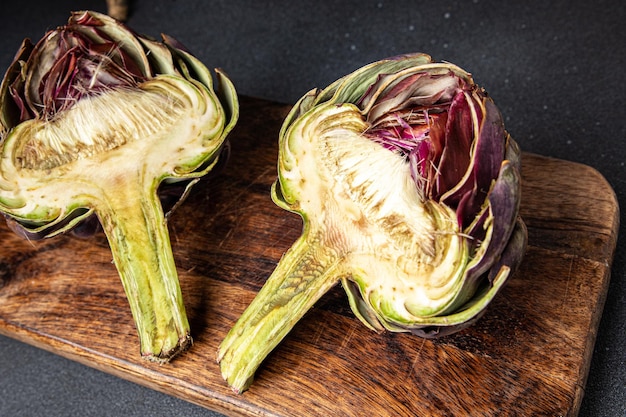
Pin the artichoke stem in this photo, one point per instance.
(302, 276)
(133, 221)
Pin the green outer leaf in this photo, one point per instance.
(159, 56)
(228, 98)
(350, 88)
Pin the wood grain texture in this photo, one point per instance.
(529, 354)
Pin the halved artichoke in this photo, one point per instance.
(409, 189)
(94, 118)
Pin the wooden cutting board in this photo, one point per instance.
(529, 355)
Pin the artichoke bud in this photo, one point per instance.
(97, 121)
(409, 189)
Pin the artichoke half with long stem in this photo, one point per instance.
(409, 190)
(95, 121)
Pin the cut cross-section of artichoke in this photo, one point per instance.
(95, 120)
(409, 189)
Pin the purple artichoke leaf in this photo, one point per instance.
(503, 208)
(460, 134)
(486, 158)
(419, 90)
(513, 252)
(513, 154)
(14, 109)
(174, 43)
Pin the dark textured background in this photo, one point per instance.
(556, 71)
